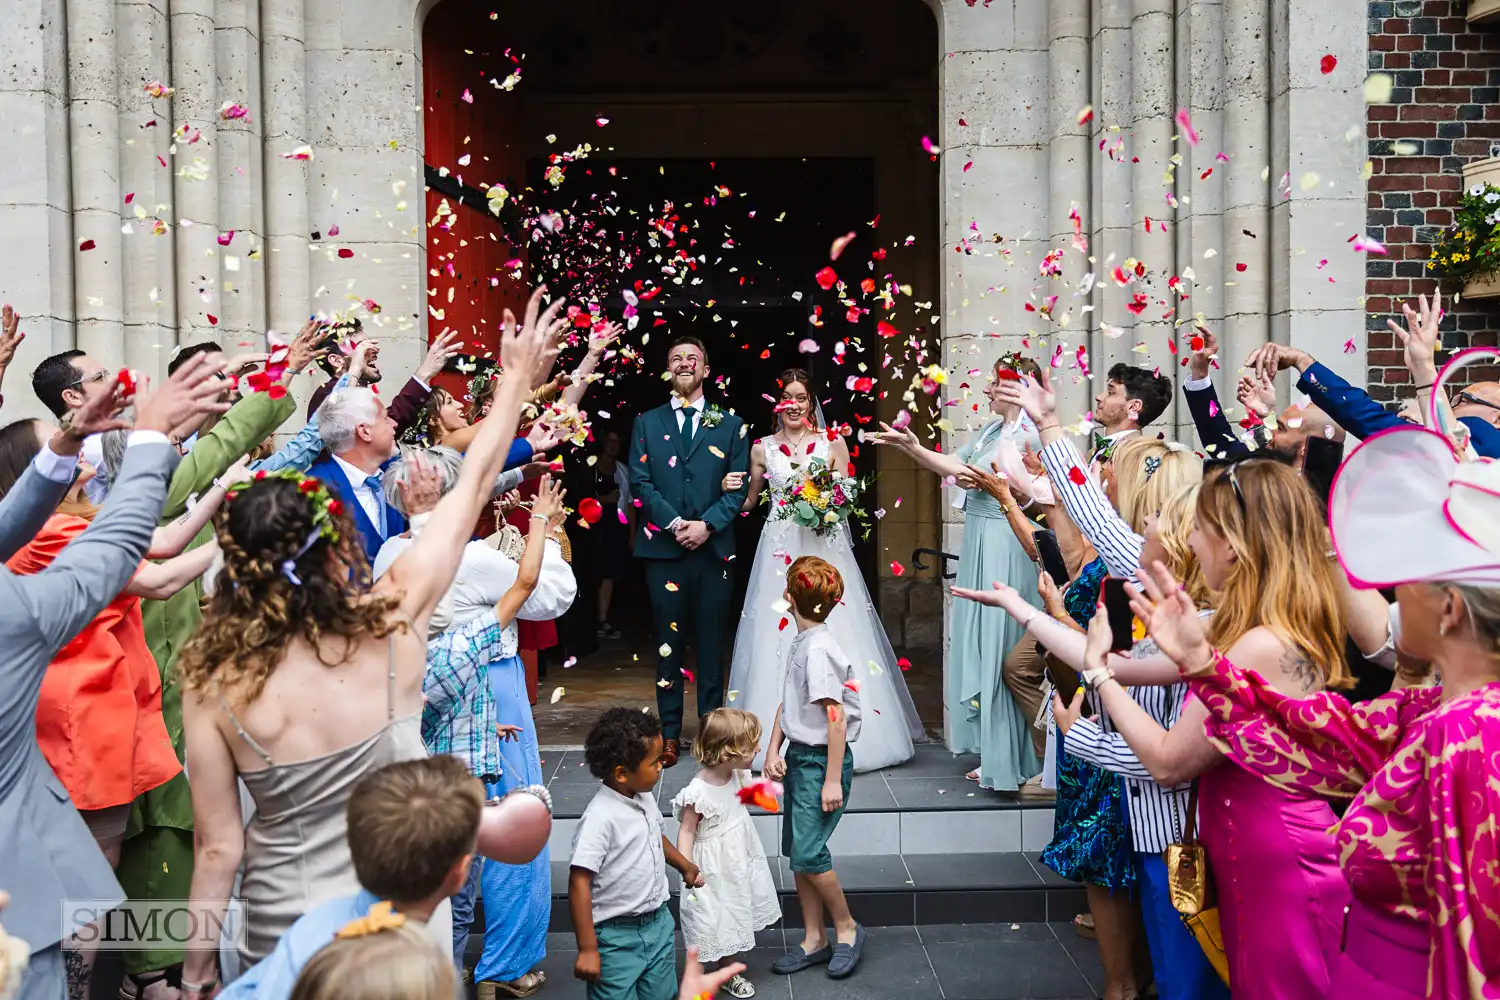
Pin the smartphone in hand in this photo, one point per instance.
(1121, 618)
(1051, 556)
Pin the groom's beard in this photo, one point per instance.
(686, 385)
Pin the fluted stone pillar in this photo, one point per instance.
(1247, 180)
(241, 180)
(94, 135)
(195, 168)
(1068, 179)
(1113, 180)
(1152, 218)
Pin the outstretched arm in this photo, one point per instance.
(423, 573)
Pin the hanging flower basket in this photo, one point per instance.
(1469, 250)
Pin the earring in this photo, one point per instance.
(1442, 628)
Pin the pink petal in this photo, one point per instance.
(1186, 124)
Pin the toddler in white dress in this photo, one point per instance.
(738, 895)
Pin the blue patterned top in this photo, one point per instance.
(459, 717)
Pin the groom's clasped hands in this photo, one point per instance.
(691, 534)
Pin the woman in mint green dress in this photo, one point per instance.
(982, 716)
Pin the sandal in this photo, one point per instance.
(972, 776)
(523, 987)
(135, 987)
(1083, 926)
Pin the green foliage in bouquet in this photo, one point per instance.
(821, 500)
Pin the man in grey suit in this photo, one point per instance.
(48, 854)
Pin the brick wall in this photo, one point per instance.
(1446, 106)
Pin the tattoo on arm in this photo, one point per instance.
(1300, 670)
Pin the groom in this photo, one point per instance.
(679, 456)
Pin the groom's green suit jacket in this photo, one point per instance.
(671, 477)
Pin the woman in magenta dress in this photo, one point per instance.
(1260, 541)
(1419, 844)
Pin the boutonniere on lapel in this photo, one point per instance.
(712, 415)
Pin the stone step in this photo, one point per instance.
(924, 806)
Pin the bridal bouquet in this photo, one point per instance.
(817, 497)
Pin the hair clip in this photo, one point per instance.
(380, 918)
(1153, 463)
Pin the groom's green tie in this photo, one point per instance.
(687, 424)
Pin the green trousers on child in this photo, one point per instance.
(637, 957)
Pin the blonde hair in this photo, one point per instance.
(725, 733)
(397, 963)
(1282, 577)
(1146, 472)
(1174, 523)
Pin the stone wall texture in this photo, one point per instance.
(1445, 112)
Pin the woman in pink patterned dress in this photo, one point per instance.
(1419, 844)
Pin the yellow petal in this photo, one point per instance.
(557, 695)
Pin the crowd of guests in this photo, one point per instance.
(1327, 742)
(298, 677)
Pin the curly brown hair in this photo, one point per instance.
(257, 610)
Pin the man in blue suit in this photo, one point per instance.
(679, 456)
(1477, 407)
(361, 438)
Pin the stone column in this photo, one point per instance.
(146, 133)
(241, 183)
(36, 257)
(1152, 217)
(284, 126)
(1200, 185)
(1247, 180)
(1318, 144)
(195, 166)
(995, 77)
(1113, 179)
(94, 134)
(1068, 178)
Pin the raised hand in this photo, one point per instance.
(902, 440)
(1050, 595)
(1001, 596)
(997, 486)
(423, 487)
(1268, 359)
(444, 346)
(601, 337)
(304, 347)
(240, 364)
(1098, 638)
(359, 360)
(97, 415)
(1420, 338)
(1256, 394)
(1034, 395)
(543, 438)
(10, 336)
(1065, 715)
(239, 472)
(191, 391)
(549, 500)
(533, 344)
(1199, 360)
(1170, 617)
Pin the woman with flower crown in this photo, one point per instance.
(982, 713)
(802, 444)
(304, 677)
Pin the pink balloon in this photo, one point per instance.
(514, 831)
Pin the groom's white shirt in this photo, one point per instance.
(680, 408)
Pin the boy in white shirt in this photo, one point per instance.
(819, 716)
(617, 887)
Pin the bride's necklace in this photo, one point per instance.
(796, 446)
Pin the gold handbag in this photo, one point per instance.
(1192, 892)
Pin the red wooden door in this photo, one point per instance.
(473, 134)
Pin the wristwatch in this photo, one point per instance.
(1094, 676)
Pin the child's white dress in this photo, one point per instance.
(738, 896)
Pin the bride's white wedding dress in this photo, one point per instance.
(890, 723)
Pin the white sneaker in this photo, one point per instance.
(739, 987)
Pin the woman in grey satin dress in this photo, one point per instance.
(300, 684)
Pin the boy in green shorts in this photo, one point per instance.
(617, 886)
(818, 718)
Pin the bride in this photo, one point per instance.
(890, 724)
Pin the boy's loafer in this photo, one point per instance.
(846, 956)
(796, 960)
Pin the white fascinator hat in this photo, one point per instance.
(1405, 509)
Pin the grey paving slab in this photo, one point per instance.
(933, 760)
(971, 871)
(944, 793)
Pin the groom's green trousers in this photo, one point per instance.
(694, 612)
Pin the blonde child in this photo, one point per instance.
(378, 957)
(738, 897)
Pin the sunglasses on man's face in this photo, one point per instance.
(98, 376)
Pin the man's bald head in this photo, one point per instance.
(1296, 424)
(1482, 400)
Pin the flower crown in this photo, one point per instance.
(1008, 365)
(326, 507)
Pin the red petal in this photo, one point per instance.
(1077, 475)
(86, 245)
(827, 278)
(345, 253)
(1328, 64)
(784, 623)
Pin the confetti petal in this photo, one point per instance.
(557, 695)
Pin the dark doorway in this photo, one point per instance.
(747, 238)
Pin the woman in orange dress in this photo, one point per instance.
(99, 721)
